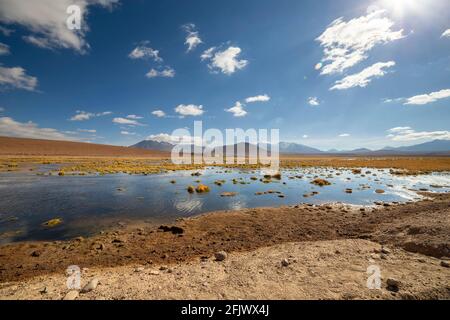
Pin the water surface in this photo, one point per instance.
(87, 204)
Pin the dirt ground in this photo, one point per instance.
(422, 228)
(312, 270)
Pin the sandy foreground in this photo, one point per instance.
(297, 252)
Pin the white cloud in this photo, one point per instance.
(260, 98)
(313, 101)
(6, 31)
(446, 33)
(189, 110)
(305, 136)
(16, 77)
(127, 133)
(428, 98)
(408, 134)
(344, 135)
(192, 38)
(363, 78)
(4, 49)
(144, 52)
(46, 20)
(347, 43)
(165, 73)
(225, 61)
(83, 115)
(318, 66)
(87, 130)
(237, 110)
(125, 121)
(134, 117)
(11, 128)
(159, 113)
(164, 137)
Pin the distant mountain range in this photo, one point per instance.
(436, 147)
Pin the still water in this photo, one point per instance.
(87, 204)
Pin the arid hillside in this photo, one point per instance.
(34, 147)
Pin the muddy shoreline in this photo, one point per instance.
(422, 227)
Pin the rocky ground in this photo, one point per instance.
(296, 252)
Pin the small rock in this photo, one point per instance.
(285, 262)
(71, 295)
(90, 286)
(385, 250)
(139, 269)
(445, 264)
(36, 253)
(44, 290)
(393, 284)
(220, 256)
(154, 272)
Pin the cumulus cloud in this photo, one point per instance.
(305, 136)
(16, 77)
(313, 101)
(83, 115)
(134, 117)
(192, 37)
(159, 113)
(409, 134)
(173, 139)
(363, 78)
(11, 128)
(125, 121)
(260, 98)
(347, 43)
(446, 33)
(4, 49)
(237, 110)
(428, 98)
(144, 52)
(46, 20)
(225, 61)
(189, 110)
(344, 135)
(165, 73)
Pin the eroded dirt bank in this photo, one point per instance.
(335, 269)
(422, 227)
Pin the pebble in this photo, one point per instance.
(154, 272)
(386, 250)
(220, 256)
(92, 285)
(285, 262)
(71, 295)
(393, 284)
(36, 253)
(445, 264)
(139, 269)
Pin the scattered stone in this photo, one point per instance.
(154, 272)
(190, 189)
(393, 284)
(445, 264)
(44, 290)
(285, 262)
(139, 269)
(36, 253)
(379, 191)
(220, 256)
(385, 250)
(348, 190)
(173, 229)
(92, 285)
(71, 295)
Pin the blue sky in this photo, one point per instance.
(380, 75)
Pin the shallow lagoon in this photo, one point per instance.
(88, 204)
